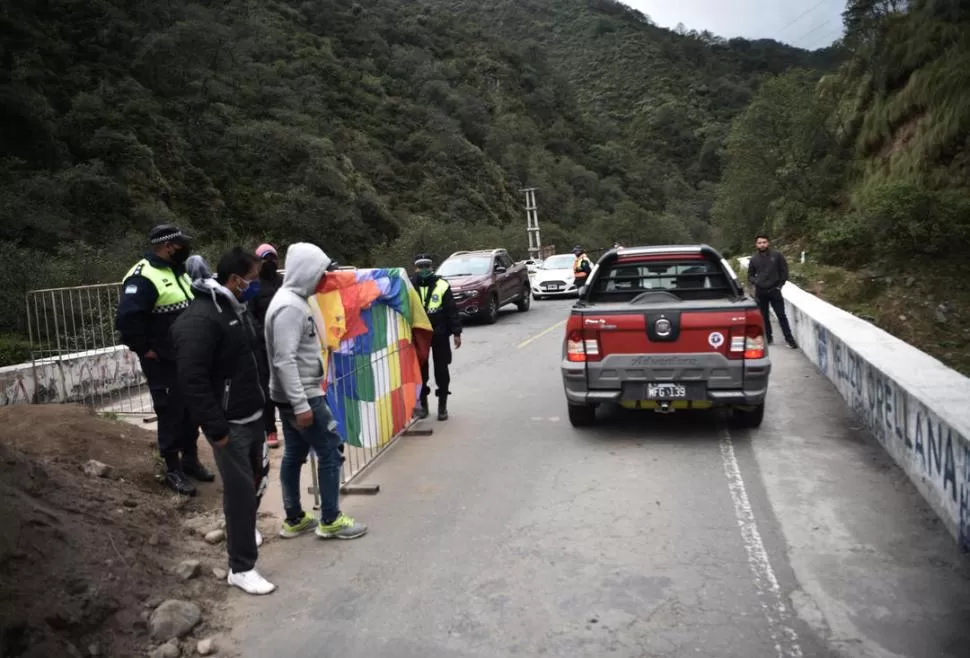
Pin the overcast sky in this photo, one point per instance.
(807, 24)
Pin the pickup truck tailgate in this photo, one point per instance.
(633, 348)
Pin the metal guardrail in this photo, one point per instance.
(72, 333)
(74, 329)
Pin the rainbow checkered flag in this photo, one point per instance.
(374, 335)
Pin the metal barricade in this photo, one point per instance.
(76, 356)
(372, 411)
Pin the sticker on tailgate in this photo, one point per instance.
(716, 339)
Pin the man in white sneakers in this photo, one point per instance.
(219, 365)
(296, 386)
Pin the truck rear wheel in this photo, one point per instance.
(581, 415)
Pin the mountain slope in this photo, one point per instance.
(373, 128)
(868, 170)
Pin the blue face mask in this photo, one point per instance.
(250, 292)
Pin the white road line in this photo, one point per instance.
(769, 592)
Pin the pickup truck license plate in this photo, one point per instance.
(666, 391)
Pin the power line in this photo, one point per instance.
(813, 30)
(787, 25)
(799, 17)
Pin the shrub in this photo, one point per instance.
(13, 350)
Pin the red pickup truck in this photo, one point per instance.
(485, 281)
(665, 328)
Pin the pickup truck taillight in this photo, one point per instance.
(582, 344)
(747, 343)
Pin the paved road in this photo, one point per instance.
(509, 533)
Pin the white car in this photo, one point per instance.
(554, 277)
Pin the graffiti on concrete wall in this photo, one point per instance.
(100, 374)
(934, 455)
(80, 377)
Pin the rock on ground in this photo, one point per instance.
(206, 647)
(174, 619)
(215, 536)
(97, 469)
(188, 569)
(168, 650)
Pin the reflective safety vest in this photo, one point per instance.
(578, 265)
(432, 298)
(174, 292)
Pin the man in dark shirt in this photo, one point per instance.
(270, 281)
(768, 272)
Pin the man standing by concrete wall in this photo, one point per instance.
(153, 294)
(768, 272)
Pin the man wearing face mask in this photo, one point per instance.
(221, 373)
(269, 282)
(153, 294)
(439, 303)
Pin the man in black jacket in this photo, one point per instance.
(768, 272)
(270, 281)
(439, 303)
(221, 374)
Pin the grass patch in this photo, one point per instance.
(919, 304)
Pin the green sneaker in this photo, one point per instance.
(291, 530)
(343, 528)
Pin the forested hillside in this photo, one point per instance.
(868, 170)
(373, 128)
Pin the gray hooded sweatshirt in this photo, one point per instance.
(292, 343)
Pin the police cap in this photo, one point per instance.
(168, 233)
(423, 260)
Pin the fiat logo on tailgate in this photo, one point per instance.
(663, 327)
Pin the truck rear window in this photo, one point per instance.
(688, 278)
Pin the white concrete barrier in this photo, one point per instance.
(916, 407)
(71, 378)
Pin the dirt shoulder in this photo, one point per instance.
(96, 557)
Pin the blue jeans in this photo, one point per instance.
(321, 436)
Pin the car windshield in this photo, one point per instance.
(558, 262)
(687, 278)
(466, 266)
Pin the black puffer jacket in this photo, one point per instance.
(218, 358)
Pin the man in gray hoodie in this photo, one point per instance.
(296, 386)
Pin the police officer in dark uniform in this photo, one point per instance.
(439, 303)
(154, 292)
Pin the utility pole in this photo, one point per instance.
(532, 223)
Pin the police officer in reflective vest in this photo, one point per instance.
(154, 292)
(440, 305)
(582, 266)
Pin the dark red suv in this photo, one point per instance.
(485, 281)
